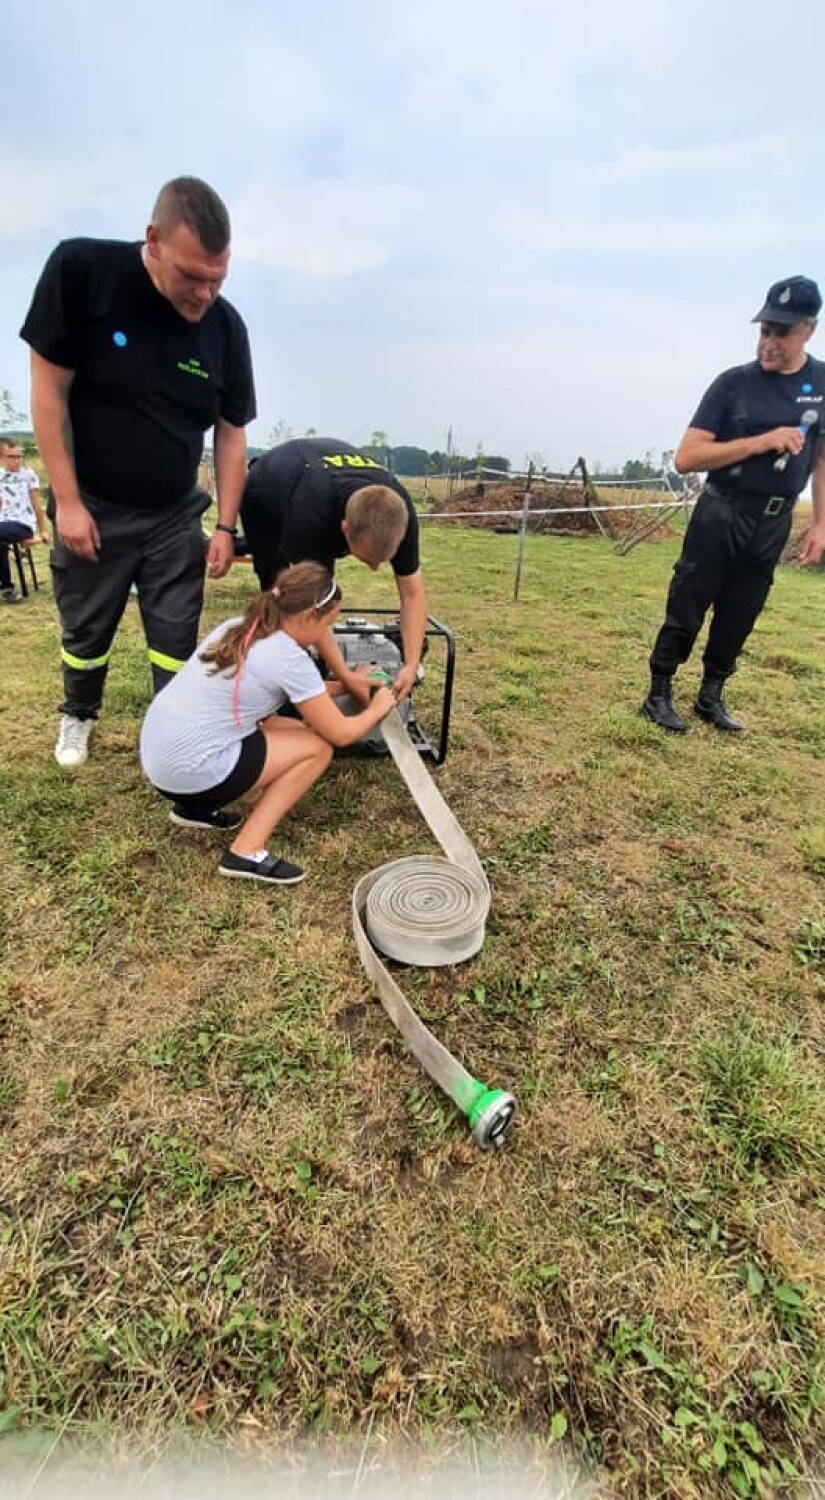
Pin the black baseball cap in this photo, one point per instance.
(790, 301)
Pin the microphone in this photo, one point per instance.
(808, 419)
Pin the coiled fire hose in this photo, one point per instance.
(429, 912)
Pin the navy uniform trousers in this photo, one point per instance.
(264, 505)
(163, 553)
(732, 545)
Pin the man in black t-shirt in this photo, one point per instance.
(320, 499)
(135, 355)
(758, 434)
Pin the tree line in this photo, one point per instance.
(408, 460)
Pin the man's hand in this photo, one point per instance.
(812, 546)
(783, 440)
(221, 554)
(404, 682)
(77, 530)
(44, 535)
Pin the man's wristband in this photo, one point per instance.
(230, 530)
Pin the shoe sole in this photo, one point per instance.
(71, 765)
(180, 822)
(262, 879)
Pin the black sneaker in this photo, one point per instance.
(11, 596)
(219, 821)
(270, 870)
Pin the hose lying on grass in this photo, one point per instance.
(429, 912)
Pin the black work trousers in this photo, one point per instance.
(273, 491)
(163, 553)
(727, 563)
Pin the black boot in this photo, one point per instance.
(658, 705)
(710, 705)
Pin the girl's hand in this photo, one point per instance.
(383, 698)
(359, 685)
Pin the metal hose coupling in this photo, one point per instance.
(429, 912)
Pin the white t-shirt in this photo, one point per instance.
(191, 737)
(15, 503)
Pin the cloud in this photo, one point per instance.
(605, 373)
(443, 213)
(35, 198)
(709, 156)
(538, 232)
(322, 229)
(276, 86)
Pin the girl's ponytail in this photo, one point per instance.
(302, 586)
(262, 618)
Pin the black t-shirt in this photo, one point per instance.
(147, 384)
(748, 400)
(300, 489)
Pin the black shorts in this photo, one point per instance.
(241, 778)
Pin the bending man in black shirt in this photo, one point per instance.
(134, 356)
(320, 499)
(758, 434)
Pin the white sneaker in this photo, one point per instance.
(72, 746)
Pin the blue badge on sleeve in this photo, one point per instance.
(119, 339)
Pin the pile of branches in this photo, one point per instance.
(474, 504)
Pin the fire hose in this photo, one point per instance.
(428, 912)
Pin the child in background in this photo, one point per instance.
(21, 513)
(213, 733)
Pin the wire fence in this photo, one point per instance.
(522, 513)
(555, 510)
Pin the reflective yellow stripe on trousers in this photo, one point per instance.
(84, 666)
(166, 663)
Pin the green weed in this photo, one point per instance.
(763, 1100)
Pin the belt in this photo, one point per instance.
(766, 505)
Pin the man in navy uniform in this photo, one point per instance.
(757, 433)
(321, 499)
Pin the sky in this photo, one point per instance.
(543, 225)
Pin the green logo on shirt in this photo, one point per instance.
(193, 367)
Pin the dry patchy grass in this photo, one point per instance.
(232, 1207)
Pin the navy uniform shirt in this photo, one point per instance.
(300, 489)
(148, 384)
(748, 400)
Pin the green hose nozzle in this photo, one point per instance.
(490, 1113)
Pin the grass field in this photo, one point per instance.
(232, 1209)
